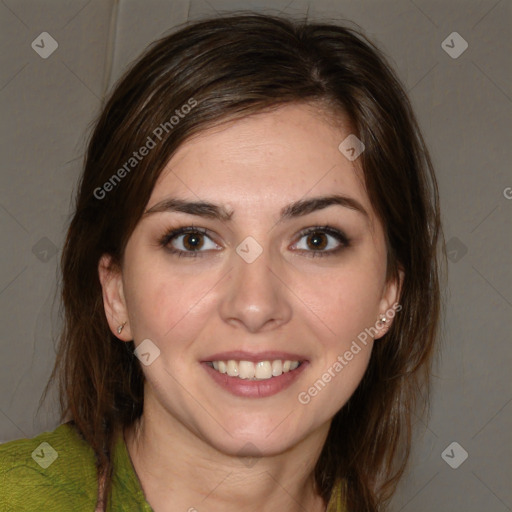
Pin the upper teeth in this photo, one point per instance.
(250, 370)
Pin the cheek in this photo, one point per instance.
(344, 307)
(345, 302)
(165, 301)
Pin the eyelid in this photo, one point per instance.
(330, 230)
(172, 232)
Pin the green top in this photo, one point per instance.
(55, 471)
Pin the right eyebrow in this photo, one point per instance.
(199, 208)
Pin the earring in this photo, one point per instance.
(120, 328)
(383, 319)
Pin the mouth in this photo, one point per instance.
(254, 370)
(255, 376)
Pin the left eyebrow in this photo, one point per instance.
(293, 210)
(306, 206)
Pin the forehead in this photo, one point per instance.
(270, 158)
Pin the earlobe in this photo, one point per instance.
(113, 298)
(389, 304)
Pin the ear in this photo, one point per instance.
(389, 304)
(114, 302)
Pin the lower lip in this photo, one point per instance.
(255, 388)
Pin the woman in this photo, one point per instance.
(250, 281)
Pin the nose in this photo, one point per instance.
(256, 297)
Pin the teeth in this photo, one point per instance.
(255, 371)
(277, 368)
(232, 368)
(246, 370)
(263, 370)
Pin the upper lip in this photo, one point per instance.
(241, 355)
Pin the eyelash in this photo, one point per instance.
(175, 232)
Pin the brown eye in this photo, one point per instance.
(188, 241)
(321, 241)
(317, 240)
(193, 241)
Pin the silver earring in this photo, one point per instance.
(120, 328)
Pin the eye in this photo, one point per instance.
(322, 241)
(193, 241)
(188, 241)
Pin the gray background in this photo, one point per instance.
(464, 107)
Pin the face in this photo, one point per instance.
(252, 280)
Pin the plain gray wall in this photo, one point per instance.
(464, 107)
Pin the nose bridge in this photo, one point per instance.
(255, 298)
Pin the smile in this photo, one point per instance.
(255, 379)
(260, 370)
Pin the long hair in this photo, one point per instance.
(223, 69)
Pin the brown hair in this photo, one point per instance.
(228, 68)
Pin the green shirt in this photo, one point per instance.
(55, 471)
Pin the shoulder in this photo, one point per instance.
(337, 499)
(52, 471)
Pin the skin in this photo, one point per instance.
(187, 447)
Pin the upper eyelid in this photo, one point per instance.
(172, 233)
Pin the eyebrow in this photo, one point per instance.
(293, 210)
